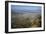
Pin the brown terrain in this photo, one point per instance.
(26, 20)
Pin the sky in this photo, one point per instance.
(25, 9)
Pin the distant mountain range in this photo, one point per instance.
(23, 12)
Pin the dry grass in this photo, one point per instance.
(25, 21)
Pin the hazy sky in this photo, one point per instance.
(22, 9)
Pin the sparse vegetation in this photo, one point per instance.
(25, 20)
